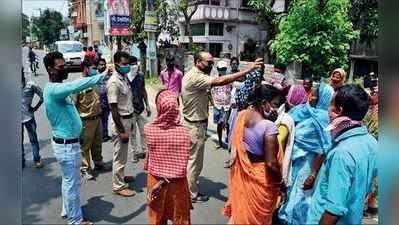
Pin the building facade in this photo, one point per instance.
(223, 27)
(88, 21)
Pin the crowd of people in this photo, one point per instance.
(299, 153)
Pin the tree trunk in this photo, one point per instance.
(190, 34)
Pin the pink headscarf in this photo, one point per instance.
(297, 95)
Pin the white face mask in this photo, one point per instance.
(134, 69)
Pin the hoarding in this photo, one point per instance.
(119, 17)
(150, 21)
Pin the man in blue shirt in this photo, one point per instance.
(346, 176)
(66, 129)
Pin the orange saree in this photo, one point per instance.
(253, 194)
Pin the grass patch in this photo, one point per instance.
(154, 82)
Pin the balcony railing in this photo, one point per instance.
(211, 12)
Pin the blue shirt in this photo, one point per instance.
(346, 177)
(60, 109)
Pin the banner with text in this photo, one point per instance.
(119, 17)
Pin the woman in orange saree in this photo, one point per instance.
(255, 177)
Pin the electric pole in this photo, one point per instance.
(152, 56)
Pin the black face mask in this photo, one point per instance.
(63, 74)
(207, 69)
(102, 70)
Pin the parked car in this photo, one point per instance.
(73, 54)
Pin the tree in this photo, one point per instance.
(167, 18)
(47, 27)
(25, 26)
(316, 33)
(187, 8)
(364, 16)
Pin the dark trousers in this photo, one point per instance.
(104, 120)
(31, 128)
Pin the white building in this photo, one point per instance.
(223, 26)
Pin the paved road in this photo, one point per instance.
(42, 188)
(41, 191)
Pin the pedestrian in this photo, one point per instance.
(346, 176)
(88, 104)
(29, 89)
(311, 143)
(221, 100)
(91, 55)
(195, 86)
(255, 179)
(168, 197)
(98, 52)
(308, 84)
(286, 130)
(337, 78)
(121, 102)
(102, 89)
(66, 128)
(34, 65)
(84, 52)
(140, 104)
(171, 77)
(244, 87)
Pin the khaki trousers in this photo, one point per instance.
(196, 159)
(119, 156)
(138, 124)
(91, 143)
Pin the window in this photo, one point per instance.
(216, 29)
(197, 29)
(214, 2)
(245, 3)
(215, 49)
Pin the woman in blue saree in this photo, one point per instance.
(311, 143)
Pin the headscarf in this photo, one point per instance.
(342, 74)
(324, 97)
(168, 110)
(297, 95)
(311, 122)
(167, 137)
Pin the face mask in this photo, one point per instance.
(133, 72)
(92, 72)
(234, 68)
(124, 69)
(207, 69)
(63, 74)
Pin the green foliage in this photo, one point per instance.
(316, 33)
(167, 18)
(47, 27)
(364, 16)
(137, 12)
(25, 26)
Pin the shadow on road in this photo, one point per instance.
(41, 184)
(212, 188)
(140, 183)
(100, 210)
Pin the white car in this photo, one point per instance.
(73, 53)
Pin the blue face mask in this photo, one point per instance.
(124, 69)
(92, 72)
